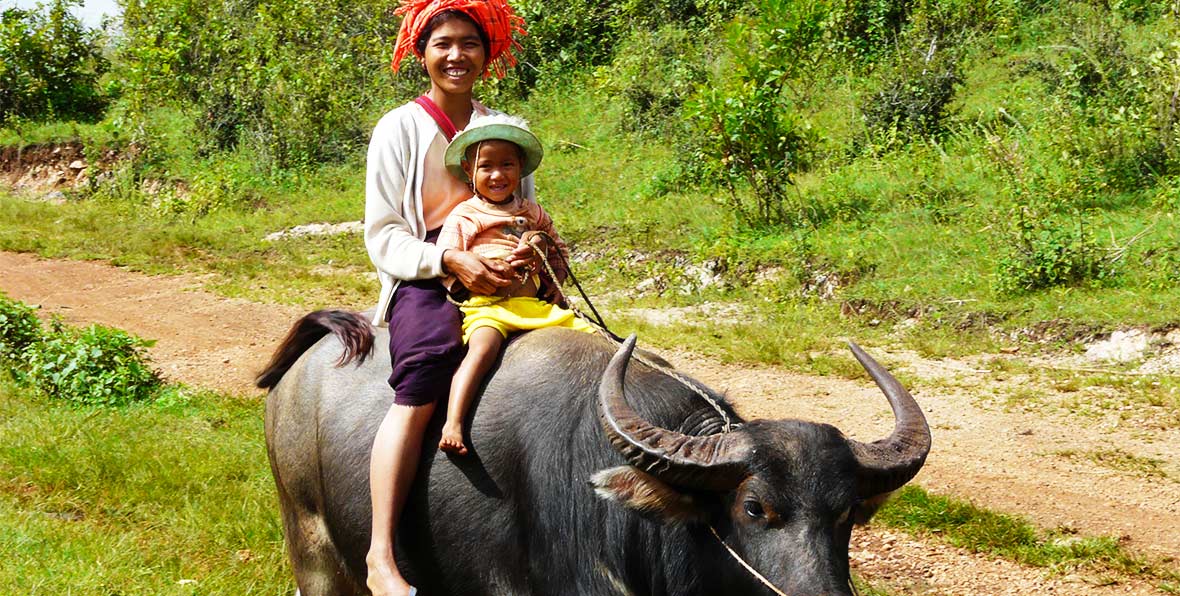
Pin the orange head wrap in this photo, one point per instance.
(495, 17)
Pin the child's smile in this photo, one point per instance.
(495, 173)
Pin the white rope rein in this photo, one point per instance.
(728, 425)
(603, 331)
(740, 560)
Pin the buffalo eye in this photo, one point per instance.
(754, 509)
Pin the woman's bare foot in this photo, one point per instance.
(452, 439)
(385, 580)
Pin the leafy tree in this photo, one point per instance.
(294, 80)
(50, 65)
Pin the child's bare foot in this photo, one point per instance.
(452, 439)
(384, 580)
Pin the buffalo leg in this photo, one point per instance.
(314, 559)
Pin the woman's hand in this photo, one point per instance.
(482, 277)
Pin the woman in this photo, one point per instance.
(408, 194)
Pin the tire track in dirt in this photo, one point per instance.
(991, 457)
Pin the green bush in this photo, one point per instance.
(566, 36)
(93, 366)
(49, 65)
(295, 81)
(748, 134)
(1162, 264)
(746, 124)
(1119, 122)
(563, 34)
(1046, 251)
(653, 73)
(1167, 196)
(915, 98)
(19, 329)
(864, 28)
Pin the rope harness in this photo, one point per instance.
(747, 566)
(600, 325)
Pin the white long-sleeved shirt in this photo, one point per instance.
(394, 225)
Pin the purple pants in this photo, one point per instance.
(425, 340)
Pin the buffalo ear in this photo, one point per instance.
(865, 511)
(645, 493)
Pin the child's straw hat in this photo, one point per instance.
(501, 127)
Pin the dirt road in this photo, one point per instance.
(1006, 460)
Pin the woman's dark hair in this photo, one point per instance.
(442, 17)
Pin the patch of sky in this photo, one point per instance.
(91, 12)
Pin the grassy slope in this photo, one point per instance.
(900, 258)
(134, 501)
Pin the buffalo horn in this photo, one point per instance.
(886, 465)
(711, 462)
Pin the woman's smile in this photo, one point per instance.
(454, 56)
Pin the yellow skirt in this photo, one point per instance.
(521, 313)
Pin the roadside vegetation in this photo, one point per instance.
(113, 483)
(940, 175)
(978, 530)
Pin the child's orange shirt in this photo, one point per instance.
(494, 231)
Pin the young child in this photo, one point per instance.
(494, 153)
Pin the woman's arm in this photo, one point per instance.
(392, 245)
(481, 276)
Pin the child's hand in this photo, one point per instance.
(525, 257)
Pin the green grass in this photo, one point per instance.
(228, 244)
(137, 500)
(1117, 459)
(961, 524)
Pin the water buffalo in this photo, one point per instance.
(588, 475)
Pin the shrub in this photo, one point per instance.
(863, 28)
(652, 75)
(1119, 120)
(49, 65)
(915, 98)
(294, 80)
(1167, 196)
(19, 329)
(564, 36)
(1162, 264)
(749, 134)
(745, 126)
(1141, 11)
(1045, 251)
(94, 366)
